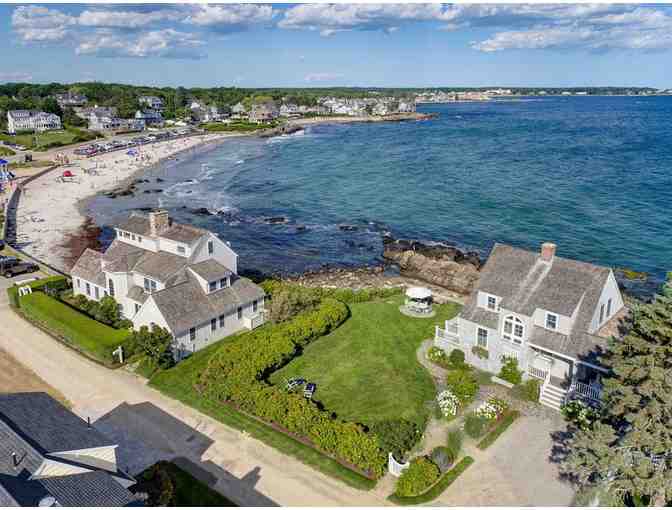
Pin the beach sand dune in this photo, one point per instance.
(48, 209)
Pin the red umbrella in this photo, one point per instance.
(67, 173)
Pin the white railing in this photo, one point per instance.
(537, 372)
(445, 335)
(586, 390)
(254, 321)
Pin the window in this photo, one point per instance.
(551, 321)
(213, 324)
(513, 329)
(110, 285)
(88, 289)
(254, 305)
(137, 307)
(181, 250)
(96, 292)
(240, 312)
(601, 313)
(139, 239)
(79, 283)
(212, 286)
(492, 302)
(222, 321)
(211, 247)
(133, 237)
(192, 334)
(222, 283)
(609, 308)
(482, 338)
(150, 285)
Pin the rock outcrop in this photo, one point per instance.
(445, 266)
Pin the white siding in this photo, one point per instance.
(610, 291)
(149, 314)
(105, 456)
(222, 253)
(564, 323)
(79, 287)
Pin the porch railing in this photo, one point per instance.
(446, 335)
(537, 373)
(586, 390)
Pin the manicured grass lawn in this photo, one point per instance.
(178, 383)
(50, 138)
(86, 334)
(367, 370)
(236, 127)
(188, 491)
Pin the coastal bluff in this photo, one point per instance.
(445, 266)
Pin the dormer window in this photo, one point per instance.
(150, 285)
(513, 329)
(551, 321)
(222, 283)
(492, 302)
(212, 286)
(181, 250)
(211, 247)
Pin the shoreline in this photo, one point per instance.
(51, 221)
(346, 119)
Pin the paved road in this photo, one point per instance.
(149, 426)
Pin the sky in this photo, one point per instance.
(302, 45)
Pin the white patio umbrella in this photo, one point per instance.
(418, 293)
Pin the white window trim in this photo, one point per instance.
(487, 299)
(513, 337)
(557, 321)
(487, 337)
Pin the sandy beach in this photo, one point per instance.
(48, 212)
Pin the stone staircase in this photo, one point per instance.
(552, 396)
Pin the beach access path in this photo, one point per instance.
(149, 426)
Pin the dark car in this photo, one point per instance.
(8, 271)
(7, 261)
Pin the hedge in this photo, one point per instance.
(86, 335)
(347, 296)
(499, 429)
(419, 476)
(236, 375)
(437, 489)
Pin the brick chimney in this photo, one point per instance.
(547, 252)
(158, 221)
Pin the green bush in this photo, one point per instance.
(396, 436)
(421, 474)
(529, 390)
(476, 426)
(480, 352)
(462, 384)
(580, 414)
(439, 357)
(237, 374)
(500, 427)
(290, 301)
(155, 344)
(509, 371)
(457, 357)
(274, 287)
(437, 489)
(454, 444)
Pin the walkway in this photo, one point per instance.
(150, 426)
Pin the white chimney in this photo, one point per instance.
(547, 252)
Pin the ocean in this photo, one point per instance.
(592, 174)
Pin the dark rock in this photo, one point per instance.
(201, 211)
(300, 228)
(150, 191)
(348, 228)
(159, 179)
(276, 220)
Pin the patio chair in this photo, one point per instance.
(310, 390)
(295, 382)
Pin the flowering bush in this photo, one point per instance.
(579, 414)
(448, 403)
(492, 408)
(462, 384)
(438, 356)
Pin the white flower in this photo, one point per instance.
(448, 403)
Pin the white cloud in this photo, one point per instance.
(127, 19)
(318, 77)
(40, 24)
(15, 76)
(167, 43)
(230, 17)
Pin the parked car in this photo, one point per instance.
(20, 268)
(7, 260)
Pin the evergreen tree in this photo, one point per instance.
(629, 450)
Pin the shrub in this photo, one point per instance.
(462, 384)
(154, 343)
(438, 356)
(442, 458)
(492, 408)
(509, 371)
(454, 444)
(158, 484)
(421, 474)
(580, 414)
(499, 429)
(480, 352)
(291, 301)
(396, 436)
(475, 426)
(529, 390)
(457, 358)
(438, 488)
(448, 403)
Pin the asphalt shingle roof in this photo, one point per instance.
(88, 267)
(210, 270)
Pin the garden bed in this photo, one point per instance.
(498, 428)
(437, 489)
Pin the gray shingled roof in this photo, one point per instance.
(88, 267)
(186, 305)
(137, 294)
(139, 224)
(34, 426)
(161, 265)
(210, 270)
(524, 283)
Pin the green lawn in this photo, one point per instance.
(187, 490)
(86, 334)
(367, 370)
(50, 139)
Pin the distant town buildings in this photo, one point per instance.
(361, 107)
(31, 120)
(267, 111)
(150, 117)
(153, 102)
(70, 100)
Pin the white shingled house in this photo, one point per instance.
(550, 313)
(179, 277)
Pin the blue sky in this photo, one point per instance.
(260, 45)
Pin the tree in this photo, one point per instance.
(70, 118)
(155, 344)
(50, 105)
(629, 449)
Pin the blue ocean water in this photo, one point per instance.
(592, 174)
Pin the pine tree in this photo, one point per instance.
(630, 449)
